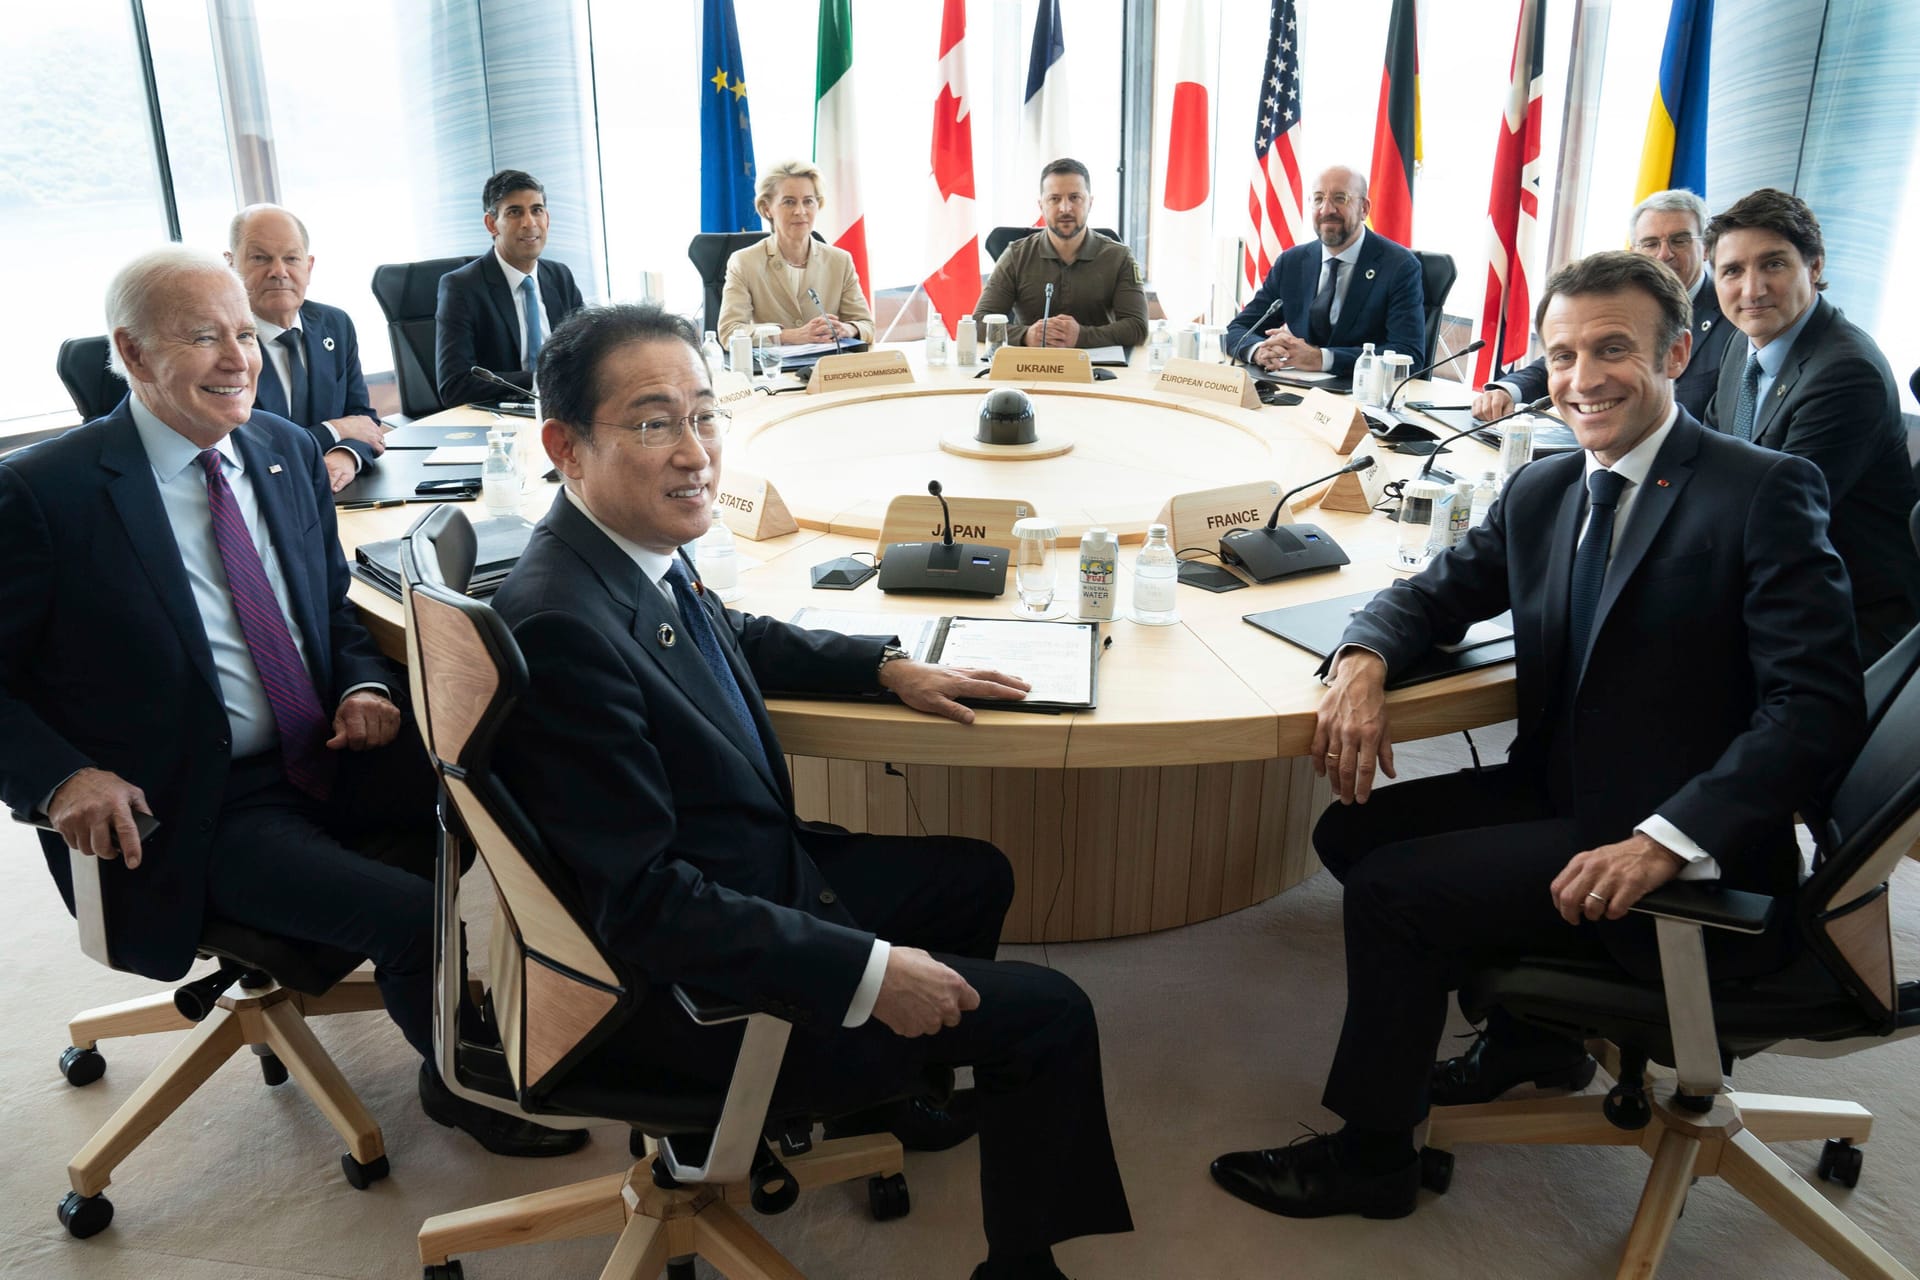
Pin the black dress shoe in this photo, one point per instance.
(497, 1131)
(919, 1124)
(1486, 1070)
(1310, 1180)
(1046, 1271)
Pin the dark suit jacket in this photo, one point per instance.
(1835, 404)
(1721, 689)
(1385, 304)
(476, 322)
(335, 387)
(681, 832)
(1693, 388)
(104, 661)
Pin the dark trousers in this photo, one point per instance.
(1047, 1169)
(1442, 875)
(355, 872)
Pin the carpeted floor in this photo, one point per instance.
(1215, 1036)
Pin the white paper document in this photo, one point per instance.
(917, 631)
(456, 455)
(1054, 657)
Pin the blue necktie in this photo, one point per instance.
(707, 641)
(530, 308)
(1320, 314)
(296, 376)
(1590, 562)
(1743, 412)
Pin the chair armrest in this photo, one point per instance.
(708, 1009)
(1704, 902)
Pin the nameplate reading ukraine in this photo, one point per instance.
(1206, 381)
(1040, 364)
(859, 369)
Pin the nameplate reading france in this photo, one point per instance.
(1040, 364)
(859, 369)
(1205, 381)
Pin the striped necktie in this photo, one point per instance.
(1744, 411)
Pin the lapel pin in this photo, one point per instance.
(1705, 325)
(1661, 483)
(274, 470)
(1369, 273)
(666, 636)
(1779, 391)
(327, 343)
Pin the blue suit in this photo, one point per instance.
(335, 387)
(1385, 304)
(477, 322)
(105, 663)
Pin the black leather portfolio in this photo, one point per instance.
(1318, 626)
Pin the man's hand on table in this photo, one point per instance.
(919, 996)
(1607, 881)
(1282, 350)
(1058, 331)
(1351, 733)
(932, 689)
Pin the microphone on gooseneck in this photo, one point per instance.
(1360, 463)
(1046, 311)
(946, 516)
(1467, 350)
(1536, 407)
(832, 334)
(488, 375)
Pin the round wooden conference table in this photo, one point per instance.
(1186, 793)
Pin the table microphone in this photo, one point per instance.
(1467, 350)
(1280, 551)
(1538, 406)
(1046, 311)
(945, 567)
(834, 334)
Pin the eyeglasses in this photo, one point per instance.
(1679, 242)
(710, 425)
(1338, 199)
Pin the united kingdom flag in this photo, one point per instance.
(1277, 219)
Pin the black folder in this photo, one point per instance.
(1318, 626)
(499, 543)
(394, 475)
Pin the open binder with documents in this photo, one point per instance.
(1059, 659)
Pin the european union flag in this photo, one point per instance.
(726, 131)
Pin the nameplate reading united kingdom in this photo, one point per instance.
(859, 369)
(1040, 364)
(1204, 381)
(730, 387)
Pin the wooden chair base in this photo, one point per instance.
(655, 1225)
(272, 1019)
(1728, 1142)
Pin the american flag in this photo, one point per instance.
(1273, 201)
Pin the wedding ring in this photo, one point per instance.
(1600, 898)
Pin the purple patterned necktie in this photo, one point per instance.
(296, 710)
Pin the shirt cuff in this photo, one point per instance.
(332, 431)
(374, 685)
(868, 991)
(1700, 863)
(1343, 651)
(341, 448)
(1513, 391)
(46, 801)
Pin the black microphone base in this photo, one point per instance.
(944, 569)
(1268, 555)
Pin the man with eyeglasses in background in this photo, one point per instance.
(1671, 226)
(644, 756)
(1322, 301)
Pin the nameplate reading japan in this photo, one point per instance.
(1205, 381)
(1040, 364)
(859, 369)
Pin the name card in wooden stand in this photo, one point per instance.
(1334, 419)
(1040, 364)
(751, 506)
(730, 388)
(1198, 519)
(915, 517)
(1356, 491)
(859, 369)
(1222, 383)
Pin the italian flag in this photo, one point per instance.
(835, 144)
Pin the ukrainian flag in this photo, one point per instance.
(1675, 151)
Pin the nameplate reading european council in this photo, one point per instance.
(1206, 381)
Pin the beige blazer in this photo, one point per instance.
(758, 290)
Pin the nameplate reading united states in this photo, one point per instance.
(1204, 381)
(1040, 364)
(859, 369)
(751, 506)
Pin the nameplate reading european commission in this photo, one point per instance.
(1040, 364)
(859, 369)
(1206, 381)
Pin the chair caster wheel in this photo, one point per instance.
(84, 1216)
(82, 1066)
(361, 1176)
(887, 1197)
(1627, 1108)
(448, 1270)
(1840, 1162)
(1436, 1169)
(272, 1070)
(680, 1269)
(636, 1144)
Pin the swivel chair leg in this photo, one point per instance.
(1661, 1200)
(294, 1043)
(1764, 1178)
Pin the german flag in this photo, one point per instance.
(1675, 151)
(1396, 131)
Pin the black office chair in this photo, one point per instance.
(709, 252)
(94, 388)
(556, 995)
(408, 292)
(1000, 237)
(1437, 274)
(1835, 992)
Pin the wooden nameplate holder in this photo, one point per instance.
(730, 388)
(1359, 491)
(1331, 418)
(1198, 519)
(1040, 364)
(858, 369)
(1222, 383)
(751, 506)
(915, 517)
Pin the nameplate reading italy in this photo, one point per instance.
(859, 369)
(1334, 419)
(1040, 364)
(1205, 381)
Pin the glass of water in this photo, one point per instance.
(766, 350)
(1034, 565)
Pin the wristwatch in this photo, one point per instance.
(891, 653)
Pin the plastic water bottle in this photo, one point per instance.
(740, 352)
(936, 341)
(1516, 446)
(966, 347)
(1484, 492)
(1156, 576)
(1099, 562)
(1159, 348)
(499, 478)
(715, 557)
(1366, 376)
(710, 348)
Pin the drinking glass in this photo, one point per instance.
(1034, 566)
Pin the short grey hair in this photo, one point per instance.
(1672, 200)
(239, 225)
(135, 291)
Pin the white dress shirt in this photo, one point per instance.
(280, 358)
(655, 566)
(1348, 256)
(514, 276)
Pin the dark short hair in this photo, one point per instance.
(1616, 271)
(570, 359)
(1770, 209)
(1066, 164)
(505, 183)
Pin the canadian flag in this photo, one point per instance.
(1185, 217)
(953, 241)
